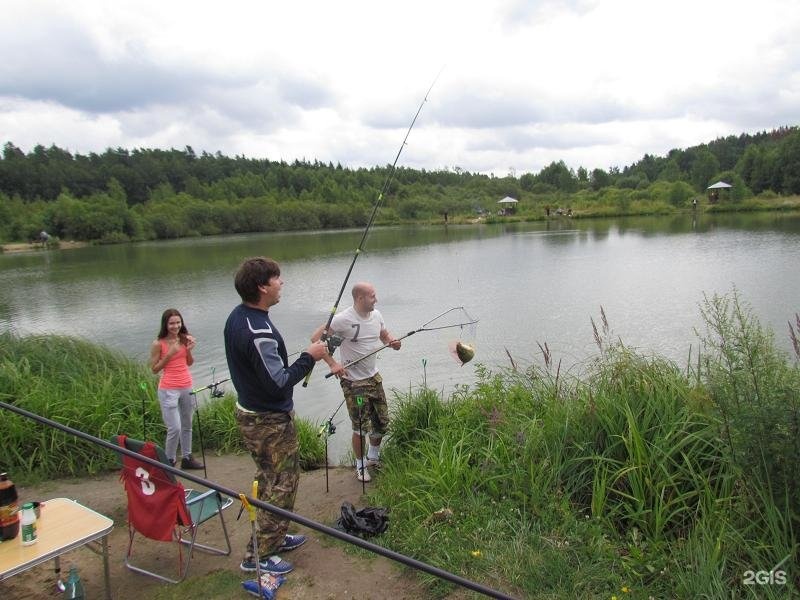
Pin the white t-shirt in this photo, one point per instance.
(360, 336)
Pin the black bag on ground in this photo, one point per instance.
(364, 523)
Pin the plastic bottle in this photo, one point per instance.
(28, 524)
(9, 509)
(74, 589)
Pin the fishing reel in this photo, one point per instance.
(333, 341)
(216, 392)
(327, 429)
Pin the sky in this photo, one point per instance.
(511, 86)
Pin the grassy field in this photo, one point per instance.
(641, 479)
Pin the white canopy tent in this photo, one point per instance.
(508, 205)
(714, 189)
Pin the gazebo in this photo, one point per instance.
(714, 188)
(508, 205)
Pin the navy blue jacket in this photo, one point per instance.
(257, 361)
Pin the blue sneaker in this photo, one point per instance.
(274, 564)
(290, 542)
(269, 586)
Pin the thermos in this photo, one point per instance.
(9, 509)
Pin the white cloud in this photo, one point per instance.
(595, 83)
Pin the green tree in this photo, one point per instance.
(670, 172)
(559, 176)
(789, 164)
(679, 193)
(704, 167)
(599, 179)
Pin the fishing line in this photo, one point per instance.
(378, 202)
(466, 322)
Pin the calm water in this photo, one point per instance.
(527, 283)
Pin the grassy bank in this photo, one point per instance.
(643, 479)
(99, 392)
(640, 479)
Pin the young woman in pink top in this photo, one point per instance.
(171, 354)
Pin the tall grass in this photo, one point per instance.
(79, 385)
(102, 393)
(639, 475)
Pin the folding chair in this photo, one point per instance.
(161, 509)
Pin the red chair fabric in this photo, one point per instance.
(156, 500)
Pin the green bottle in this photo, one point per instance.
(74, 589)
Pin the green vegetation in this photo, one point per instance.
(639, 476)
(123, 195)
(102, 393)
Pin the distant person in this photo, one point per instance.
(694, 203)
(171, 354)
(362, 330)
(43, 237)
(264, 382)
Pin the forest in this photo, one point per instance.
(127, 195)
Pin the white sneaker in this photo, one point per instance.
(363, 475)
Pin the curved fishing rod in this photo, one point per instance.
(328, 428)
(375, 207)
(281, 512)
(424, 327)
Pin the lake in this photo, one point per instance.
(527, 283)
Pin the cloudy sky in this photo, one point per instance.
(595, 83)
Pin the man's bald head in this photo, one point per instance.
(364, 298)
(362, 288)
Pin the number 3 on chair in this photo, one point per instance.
(148, 488)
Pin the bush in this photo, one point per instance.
(755, 391)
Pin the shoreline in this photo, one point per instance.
(19, 247)
(489, 219)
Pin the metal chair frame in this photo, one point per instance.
(201, 507)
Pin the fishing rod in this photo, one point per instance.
(424, 327)
(215, 393)
(328, 428)
(214, 387)
(378, 201)
(271, 508)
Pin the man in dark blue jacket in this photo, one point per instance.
(264, 382)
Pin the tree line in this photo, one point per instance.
(137, 194)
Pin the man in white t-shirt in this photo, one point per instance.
(362, 330)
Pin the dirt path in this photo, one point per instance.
(322, 569)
